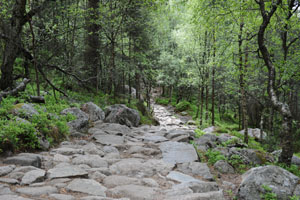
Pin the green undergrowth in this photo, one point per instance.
(17, 134)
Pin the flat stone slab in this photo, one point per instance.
(154, 139)
(9, 181)
(37, 191)
(196, 168)
(25, 159)
(33, 176)
(133, 192)
(87, 186)
(109, 139)
(4, 189)
(176, 152)
(203, 196)
(62, 197)
(6, 169)
(66, 171)
(94, 161)
(13, 197)
(180, 177)
(68, 151)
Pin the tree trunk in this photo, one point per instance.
(91, 54)
(281, 107)
(11, 49)
(201, 107)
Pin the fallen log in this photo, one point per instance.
(36, 99)
(21, 87)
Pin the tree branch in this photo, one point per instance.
(15, 91)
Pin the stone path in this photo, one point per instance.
(114, 162)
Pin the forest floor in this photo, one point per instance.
(117, 162)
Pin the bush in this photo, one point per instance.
(162, 101)
(182, 106)
(16, 136)
(213, 156)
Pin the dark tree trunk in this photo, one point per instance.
(201, 106)
(91, 54)
(12, 44)
(281, 107)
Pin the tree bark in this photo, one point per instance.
(11, 49)
(91, 54)
(281, 107)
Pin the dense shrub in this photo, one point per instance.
(182, 106)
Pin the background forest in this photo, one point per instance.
(232, 64)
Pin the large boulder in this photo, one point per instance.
(81, 121)
(24, 110)
(133, 91)
(121, 114)
(95, 113)
(255, 132)
(254, 182)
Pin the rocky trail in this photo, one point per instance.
(113, 161)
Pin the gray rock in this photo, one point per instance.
(66, 171)
(91, 148)
(37, 191)
(198, 186)
(81, 121)
(154, 139)
(44, 143)
(200, 196)
(182, 138)
(87, 186)
(223, 167)
(25, 169)
(94, 161)
(149, 182)
(133, 91)
(121, 114)
(223, 138)
(95, 113)
(25, 159)
(16, 175)
(175, 152)
(138, 168)
(180, 177)
(68, 151)
(207, 141)
(4, 170)
(4, 189)
(114, 129)
(33, 177)
(61, 158)
(282, 182)
(196, 168)
(297, 191)
(100, 198)
(13, 197)
(115, 180)
(143, 150)
(24, 109)
(178, 132)
(133, 192)
(249, 156)
(109, 139)
(209, 129)
(110, 149)
(62, 197)
(255, 132)
(9, 181)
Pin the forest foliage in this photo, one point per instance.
(226, 60)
